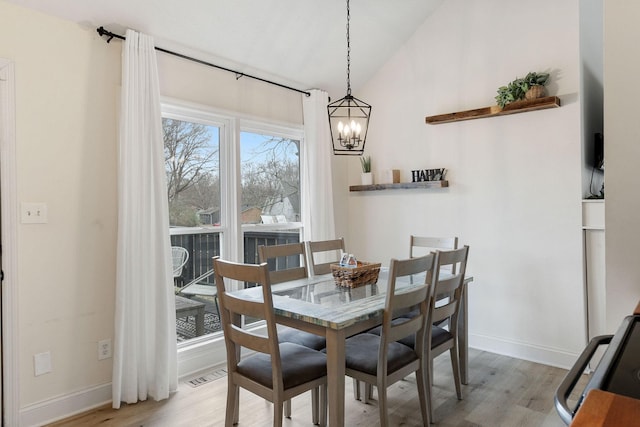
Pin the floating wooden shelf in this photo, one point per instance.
(401, 185)
(513, 108)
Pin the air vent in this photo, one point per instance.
(197, 382)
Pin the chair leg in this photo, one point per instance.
(431, 369)
(382, 404)
(366, 391)
(423, 396)
(233, 394)
(428, 382)
(362, 391)
(215, 300)
(287, 408)
(455, 364)
(278, 409)
(323, 406)
(315, 408)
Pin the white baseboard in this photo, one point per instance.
(65, 406)
(191, 359)
(525, 351)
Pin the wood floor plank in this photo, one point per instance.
(502, 391)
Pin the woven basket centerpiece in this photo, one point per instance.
(352, 277)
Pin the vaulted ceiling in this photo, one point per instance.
(301, 43)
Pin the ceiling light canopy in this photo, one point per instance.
(349, 116)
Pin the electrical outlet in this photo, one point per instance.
(42, 363)
(104, 349)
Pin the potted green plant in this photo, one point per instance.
(529, 87)
(509, 93)
(367, 176)
(533, 85)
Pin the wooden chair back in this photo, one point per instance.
(232, 309)
(278, 259)
(323, 253)
(405, 299)
(447, 283)
(420, 245)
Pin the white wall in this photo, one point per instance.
(622, 151)
(515, 181)
(67, 89)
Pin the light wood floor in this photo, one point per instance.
(502, 392)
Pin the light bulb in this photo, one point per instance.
(358, 129)
(340, 127)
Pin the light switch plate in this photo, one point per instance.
(34, 213)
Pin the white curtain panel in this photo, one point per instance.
(145, 350)
(318, 217)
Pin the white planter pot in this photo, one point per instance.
(367, 178)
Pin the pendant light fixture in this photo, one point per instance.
(349, 116)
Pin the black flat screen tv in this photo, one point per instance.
(598, 144)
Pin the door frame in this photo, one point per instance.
(8, 239)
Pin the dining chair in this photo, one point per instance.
(275, 371)
(323, 253)
(440, 339)
(381, 360)
(420, 245)
(274, 254)
(277, 256)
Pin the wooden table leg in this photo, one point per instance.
(200, 322)
(463, 337)
(335, 376)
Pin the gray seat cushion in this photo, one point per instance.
(416, 312)
(309, 340)
(362, 354)
(438, 334)
(299, 365)
(408, 341)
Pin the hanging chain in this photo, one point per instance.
(348, 52)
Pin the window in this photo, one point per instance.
(270, 197)
(232, 184)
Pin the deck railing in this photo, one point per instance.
(202, 247)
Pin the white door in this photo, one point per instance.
(8, 239)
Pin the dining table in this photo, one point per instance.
(316, 304)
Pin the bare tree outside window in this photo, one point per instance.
(270, 176)
(192, 163)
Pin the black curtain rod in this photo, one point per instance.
(238, 74)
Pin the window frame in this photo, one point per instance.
(207, 351)
(261, 127)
